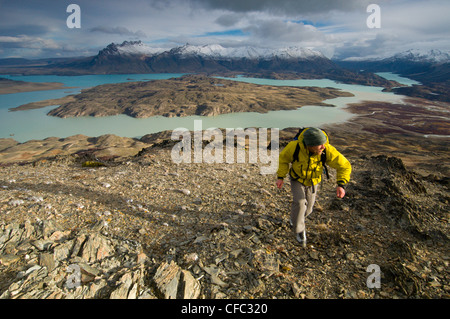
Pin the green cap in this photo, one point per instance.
(314, 136)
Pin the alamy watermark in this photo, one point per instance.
(74, 279)
(374, 279)
(374, 19)
(74, 19)
(191, 150)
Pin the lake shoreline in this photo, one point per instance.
(8, 86)
(42, 104)
(384, 128)
(185, 96)
(35, 124)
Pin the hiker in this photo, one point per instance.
(308, 153)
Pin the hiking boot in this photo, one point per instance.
(301, 238)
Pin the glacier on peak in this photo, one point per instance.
(137, 47)
(417, 55)
(411, 55)
(214, 51)
(218, 51)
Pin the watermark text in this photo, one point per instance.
(374, 19)
(74, 279)
(374, 279)
(213, 152)
(74, 19)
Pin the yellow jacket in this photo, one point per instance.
(308, 168)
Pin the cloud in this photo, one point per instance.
(405, 25)
(285, 7)
(24, 41)
(118, 31)
(229, 19)
(24, 45)
(365, 47)
(21, 29)
(278, 32)
(33, 27)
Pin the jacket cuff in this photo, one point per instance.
(341, 184)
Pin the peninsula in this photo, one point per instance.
(8, 86)
(186, 96)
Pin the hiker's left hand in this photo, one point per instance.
(280, 183)
(340, 192)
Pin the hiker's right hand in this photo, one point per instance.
(280, 183)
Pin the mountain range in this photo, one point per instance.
(136, 57)
(213, 51)
(430, 68)
(411, 55)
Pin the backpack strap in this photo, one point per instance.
(323, 158)
(297, 150)
(299, 132)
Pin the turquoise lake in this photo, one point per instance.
(35, 124)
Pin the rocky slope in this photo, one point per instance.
(106, 147)
(144, 227)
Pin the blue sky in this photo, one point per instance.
(337, 28)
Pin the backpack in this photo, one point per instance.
(323, 156)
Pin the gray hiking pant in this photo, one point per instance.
(303, 199)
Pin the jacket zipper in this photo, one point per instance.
(307, 169)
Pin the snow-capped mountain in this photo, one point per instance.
(137, 47)
(216, 51)
(430, 56)
(136, 57)
(295, 52)
(412, 55)
(130, 48)
(212, 51)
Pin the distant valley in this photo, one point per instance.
(432, 70)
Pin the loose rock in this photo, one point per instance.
(185, 233)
